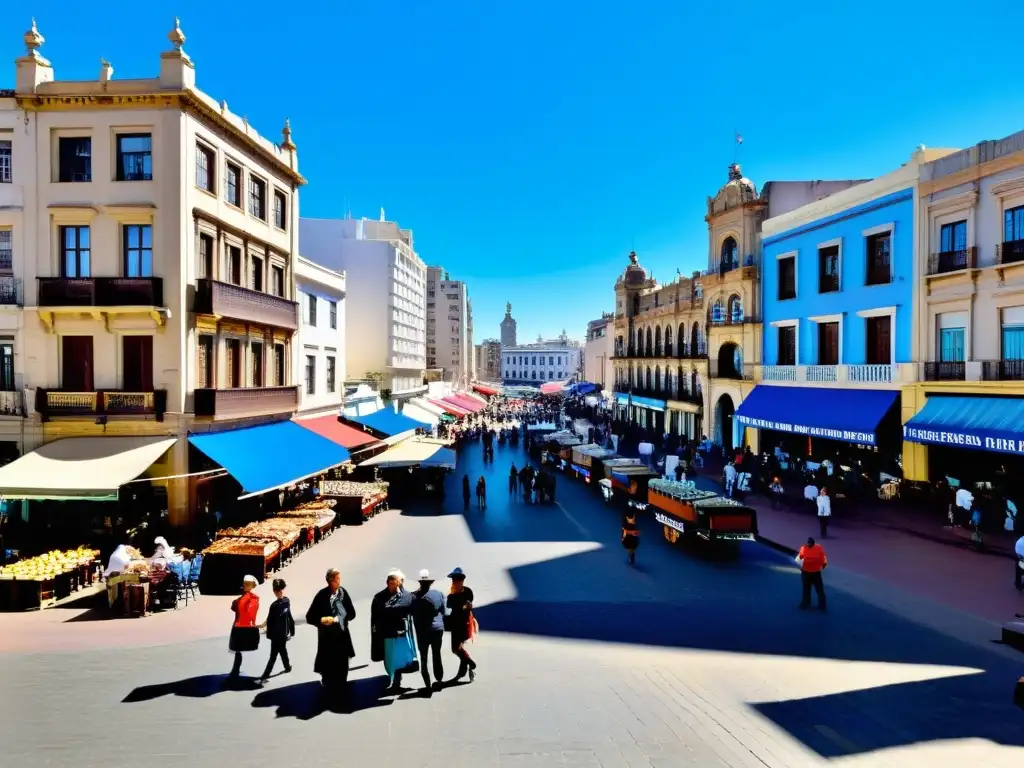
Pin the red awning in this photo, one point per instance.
(466, 403)
(485, 390)
(552, 387)
(449, 408)
(330, 427)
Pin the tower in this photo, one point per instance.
(508, 328)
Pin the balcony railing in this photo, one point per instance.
(237, 303)
(1010, 252)
(871, 373)
(688, 353)
(1002, 370)
(825, 374)
(949, 371)
(245, 401)
(12, 402)
(52, 403)
(718, 371)
(952, 261)
(861, 375)
(734, 320)
(101, 292)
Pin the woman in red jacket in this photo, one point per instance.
(245, 635)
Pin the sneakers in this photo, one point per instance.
(472, 674)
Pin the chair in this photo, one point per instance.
(188, 584)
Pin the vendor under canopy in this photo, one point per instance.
(118, 562)
(165, 551)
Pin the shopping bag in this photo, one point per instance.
(405, 660)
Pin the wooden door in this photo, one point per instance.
(137, 363)
(76, 363)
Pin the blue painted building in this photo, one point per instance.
(839, 317)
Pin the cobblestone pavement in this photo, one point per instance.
(687, 659)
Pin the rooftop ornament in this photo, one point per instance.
(176, 36)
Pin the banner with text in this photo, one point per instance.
(846, 435)
(1009, 442)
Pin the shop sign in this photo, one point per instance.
(670, 522)
(963, 440)
(847, 435)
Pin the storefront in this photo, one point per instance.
(647, 412)
(684, 419)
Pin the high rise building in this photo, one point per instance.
(508, 328)
(488, 360)
(449, 327)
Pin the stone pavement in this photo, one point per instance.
(691, 658)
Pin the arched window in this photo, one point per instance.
(657, 378)
(730, 255)
(533, 374)
(649, 350)
(680, 381)
(681, 339)
(639, 341)
(506, 373)
(668, 382)
(735, 309)
(648, 377)
(695, 345)
(668, 341)
(717, 311)
(657, 341)
(636, 305)
(694, 383)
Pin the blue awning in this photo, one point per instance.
(584, 387)
(979, 423)
(642, 402)
(387, 422)
(270, 456)
(851, 415)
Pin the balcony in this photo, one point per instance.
(55, 403)
(10, 291)
(716, 370)
(1002, 370)
(686, 353)
(1010, 252)
(864, 375)
(733, 320)
(101, 292)
(945, 371)
(952, 261)
(237, 403)
(244, 304)
(657, 394)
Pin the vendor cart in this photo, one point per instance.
(356, 502)
(685, 512)
(629, 484)
(583, 458)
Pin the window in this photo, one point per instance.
(787, 278)
(953, 237)
(74, 244)
(256, 349)
(1013, 224)
(204, 167)
(233, 185)
(134, 157)
(331, 383)
(7, 366)
(279, 365)
(233, 349)
(951, 345)
(205, 266)
(6, 250)
(280, 209)
(879, 340)
(257, 273)
(828, 269)
(234, 265)
(258, 197)
(730, 255)
(310, 375)
(6, 163)
(138, 250)
(76, 363)
(334, 315)
(311, 310)
(277, 275)
(137, 363)
(879, 259)
(828, 343)
(74, 158)
(787, 345)
(204, 362)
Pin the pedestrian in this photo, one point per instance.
(481, 493)
(465, 493)
(461, 623)
(331, 612)
(730, 478)
(824, 503)
(812, 561)
(245, 635)
(513, 481)
(280, 628)
(679, 471)
(776, 490)
(630, 536)
(391, 630)
(1018, 570)
(428, 618)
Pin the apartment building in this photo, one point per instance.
(488, 360)
(386, 332)
(449, 327)
(12, 270)
(321, 296)
(598, 351)
(153, 241)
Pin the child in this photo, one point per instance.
(280, 627)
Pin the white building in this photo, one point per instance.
(598, 352)
(544, 361)
(449, 327)
(321, 295)
(386, 332)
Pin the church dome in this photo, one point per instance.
(736, 191)
(635, 275)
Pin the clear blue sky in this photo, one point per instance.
(531, 145)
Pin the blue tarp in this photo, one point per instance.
(387, 422)
(850, 415)
(979, 423)
(583, 388)
(270, 456)
(645, 402)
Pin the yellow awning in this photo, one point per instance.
(422, 452)
(90, 468)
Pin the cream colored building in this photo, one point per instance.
(598, 351)
(321, 296)
(155, 238)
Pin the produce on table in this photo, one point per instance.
(368, 491)
(258, 547)
(51, 564)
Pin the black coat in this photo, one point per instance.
(280, 622)
(388, 614)
(334, 643)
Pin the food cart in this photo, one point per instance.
(583, 458)
(687, 512)
(629, 482)
(229, 559)
(356, 502)
(557, 448)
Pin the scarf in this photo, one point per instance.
(338, 607)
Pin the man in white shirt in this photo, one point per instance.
(824, 511)
(730, 478)
(1018, 570)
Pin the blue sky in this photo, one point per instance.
(531, 145)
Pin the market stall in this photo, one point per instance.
(705, 515)
(355, 502)
(630, 481)
(39, 582)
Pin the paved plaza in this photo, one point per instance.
(686, 659)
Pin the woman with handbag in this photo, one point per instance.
(245, 635)
(462, 626)
(391, 633)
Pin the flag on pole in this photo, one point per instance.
(739, 139)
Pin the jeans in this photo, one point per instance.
(431, 640)
(277, 648)
(808, 580)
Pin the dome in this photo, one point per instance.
(635, 275)
(737, 191)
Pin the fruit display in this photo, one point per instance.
(368, 492)
(50, 565)
(679, 491)
(284, 530)
(242, 546)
